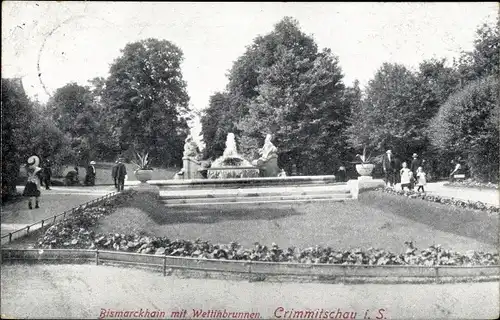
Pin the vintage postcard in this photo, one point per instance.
(280, 160)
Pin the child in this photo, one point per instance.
(405, 174)
(421, 180)
(32, 188)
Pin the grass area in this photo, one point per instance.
(376, 220)
(475, 224)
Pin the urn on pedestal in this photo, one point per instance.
(144, 171)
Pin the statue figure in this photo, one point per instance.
(190, 148)
(268, 161)
(268, 149)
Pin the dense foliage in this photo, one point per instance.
(467, 125)
(26, 131)
(283, 85)
(145, 96)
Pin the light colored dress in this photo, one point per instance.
(421, 180)
(405, 176)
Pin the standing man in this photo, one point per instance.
(388, 166)
(121, 172)
(114, 174)
(47, 173)
(415, 164)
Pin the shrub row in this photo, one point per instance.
(469, 183)
(475, 205)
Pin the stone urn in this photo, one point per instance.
(143, 175)
(365, 169)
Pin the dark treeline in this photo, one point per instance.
(283, 84)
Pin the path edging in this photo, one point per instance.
(8, 238)
(255, 270)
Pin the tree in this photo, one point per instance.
(106, 144)
(17, 123)
(484, 59)
(216, 124)
(390, 116)
(283, 85)
(467, 126)
(147, 100)
(76, 115)
(26, 131)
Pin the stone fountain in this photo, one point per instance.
(231, 164)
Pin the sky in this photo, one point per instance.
(76, 41)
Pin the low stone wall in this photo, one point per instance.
(256, 270)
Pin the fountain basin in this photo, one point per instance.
(232, 172)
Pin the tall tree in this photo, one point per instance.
(26, 131)
(392, 114)
(467, 127)
(283, 85)
(17, 124)
(484, 59)
(76, 115)
(216, 124)
(147, 100)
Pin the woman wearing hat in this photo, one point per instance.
(32, 188)
(90, 176)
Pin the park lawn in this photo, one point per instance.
(376, 220)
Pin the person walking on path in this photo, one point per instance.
(121, 172)
(114, 174)
(33, 185)
(421, 179)
(47, 174)
(406, 175)
(388, 166)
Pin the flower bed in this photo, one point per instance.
(475, 205)
(469, 183)
(75, 232)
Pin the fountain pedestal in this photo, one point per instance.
(191, 168)
(268, 167)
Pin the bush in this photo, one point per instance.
(467, 126)
(475, 205)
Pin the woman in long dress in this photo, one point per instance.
(33, 185)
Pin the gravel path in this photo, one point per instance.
(489, 196)
(16, 215)
(82, 291)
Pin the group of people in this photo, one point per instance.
(409, 177)
(73, 177)
(37, 177)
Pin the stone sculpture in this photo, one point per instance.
(190, 148)
(268, 161)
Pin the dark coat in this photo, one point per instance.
(114, 171)
(415, 163)
(388, 165)
(91, 170)
(121, 171)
